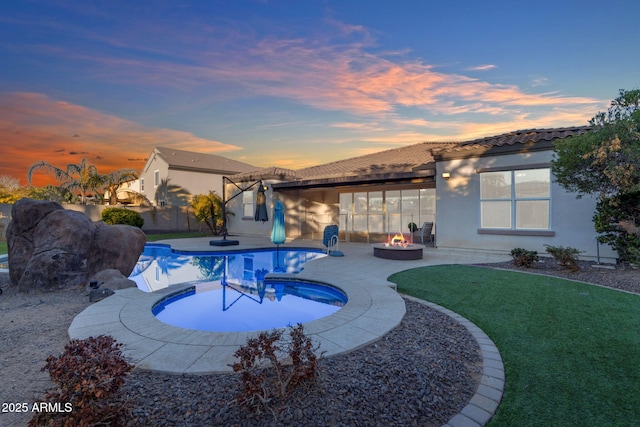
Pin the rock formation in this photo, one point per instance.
(52, 248)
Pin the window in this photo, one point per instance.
(142, 185)
(156, 178)
(387, 211)
(516, 199)
(247, 271)
(247, 204)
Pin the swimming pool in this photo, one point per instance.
(231, 291)
(160, 267)
(230, 308)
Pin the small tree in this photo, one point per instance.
(617, 220)
(83, 176)
(10, 189)
(606, 162)
(111, 182)
(207, 208)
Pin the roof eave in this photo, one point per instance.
(465, 153)
(341, 181)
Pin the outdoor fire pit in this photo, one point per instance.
(398, 249)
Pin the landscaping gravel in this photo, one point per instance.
(622, 276)
(419, 374)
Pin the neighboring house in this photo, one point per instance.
(128, 193)
(171, 177)
(490, 194)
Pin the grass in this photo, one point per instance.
(571, 351)
(3, 247)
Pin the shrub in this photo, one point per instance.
(113, 216)
(87, 373)
(413, 227)
(267, 377)
(610, 214)
(524, 258)
(567, 257)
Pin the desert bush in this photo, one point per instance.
(567, 257)
(86, 374)
(113, 216)
(611, 214)
(523, 257)
(271, 369)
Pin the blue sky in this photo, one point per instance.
(298, 83)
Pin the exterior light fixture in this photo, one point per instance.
(446, 175)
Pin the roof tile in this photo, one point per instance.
(193, 160)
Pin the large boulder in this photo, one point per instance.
(52, 248)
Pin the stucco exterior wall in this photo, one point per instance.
(458, 211)
(182, 184)
(154, 164)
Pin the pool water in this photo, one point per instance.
(231, 291)
(229, 308)
(160, 267)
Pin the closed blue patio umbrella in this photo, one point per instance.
(278, 235)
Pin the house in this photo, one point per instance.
(170, 177)
(491, 194)
(368, 196)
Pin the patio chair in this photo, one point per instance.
(425, 231)
(330, 240)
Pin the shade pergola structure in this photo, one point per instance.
(260, 206)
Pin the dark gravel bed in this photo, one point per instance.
(420, 374)
(622, 277)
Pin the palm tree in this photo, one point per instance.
(112, 182)
(82, 177)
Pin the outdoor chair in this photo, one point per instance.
(330, 240)
(425, 232)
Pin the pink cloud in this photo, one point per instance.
(338, 71)
(34, 127)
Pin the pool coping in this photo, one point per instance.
(370, 312)
(373, 309)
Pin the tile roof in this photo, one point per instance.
(402, 159)
(267, 173)
(199, 161)
(406, 160)
(517, 137)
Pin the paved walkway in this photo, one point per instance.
(373, 309)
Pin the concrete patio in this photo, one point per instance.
(373, 309)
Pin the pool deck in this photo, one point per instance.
(373, 309)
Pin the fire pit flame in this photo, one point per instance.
(398, 240)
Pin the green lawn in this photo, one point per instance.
(3, 247)
(571, 351)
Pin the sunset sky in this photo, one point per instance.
(297, 83)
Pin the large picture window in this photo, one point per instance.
(388, 211)
(515, 199)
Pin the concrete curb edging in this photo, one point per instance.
(484, 404)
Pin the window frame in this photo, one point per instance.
(513, 202)
(248, 204)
